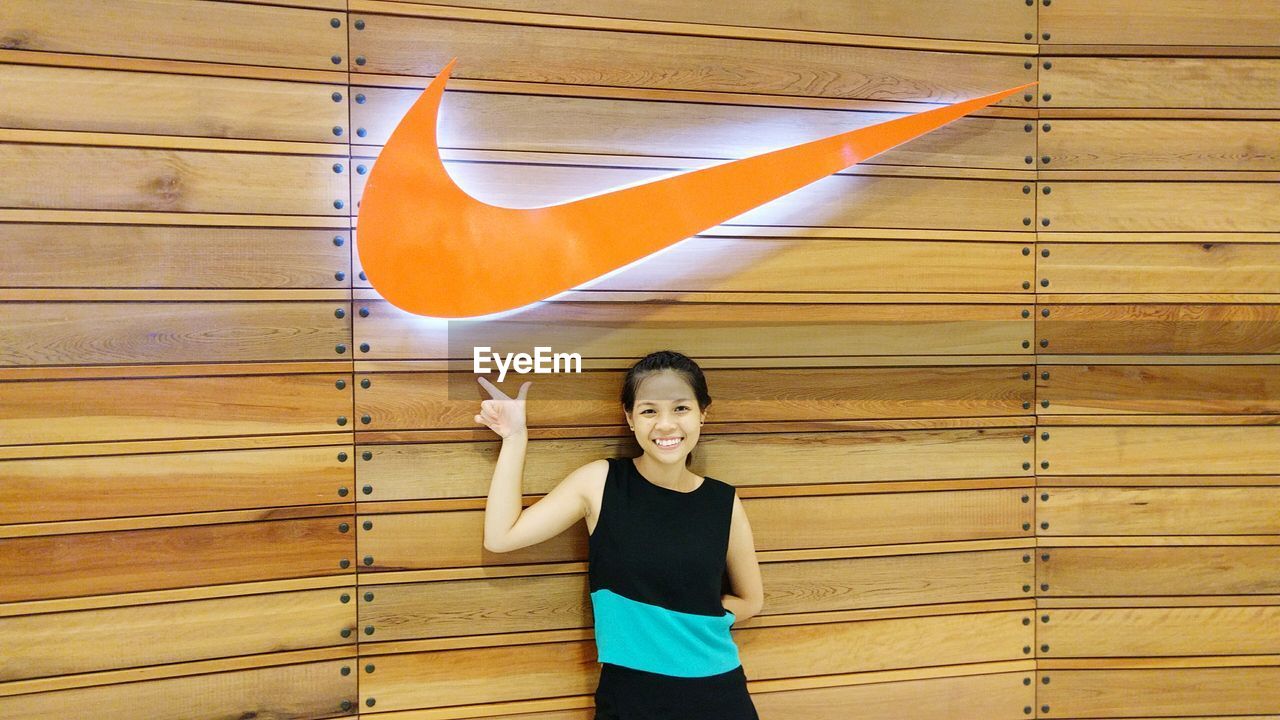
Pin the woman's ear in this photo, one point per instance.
(702, 418)
(627, 415)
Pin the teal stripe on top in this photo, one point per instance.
(647, 637)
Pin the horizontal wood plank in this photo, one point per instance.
(1164, 328)
(1159, 389)
(1154, 570)
(1181, 145)
(1152, 22)
(1162, 450)
(1161, 82)
(94, 640)
(1164, 692)
(1161, 207)
(35, 568)
(225, 32)
(1160, 511)
(54, 333)
(1218, 266)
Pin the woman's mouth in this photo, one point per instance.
(667, 443)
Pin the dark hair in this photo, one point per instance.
(665, 360)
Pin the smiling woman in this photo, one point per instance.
(662, 542)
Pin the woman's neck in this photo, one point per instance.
(668, 475)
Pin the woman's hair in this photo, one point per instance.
(665, 360)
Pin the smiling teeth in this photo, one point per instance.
(667, 443)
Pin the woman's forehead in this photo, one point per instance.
(664, 385)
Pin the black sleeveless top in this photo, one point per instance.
(657, 568)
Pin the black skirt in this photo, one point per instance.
(628, 694)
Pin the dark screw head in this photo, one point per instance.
(368, 525)
(338, 240)
(1044, 618)
(1028, 127)
(1026, 466)
(1047, 96)
(343, 527)
(364, 383)
(1026, 189)
(359, 98)
(368, 629)
(368, 559)
(1026, 559)
(1026, 284)
(1046, 190)
(1044, 526)
(345, 670)
(1025, 439)
(336, 59)
(1028, 36)
(346, 704)
(1044, 252)
(1044, 222)
(1026, 588)
(1045, 496)
(1044, 680)
(1044, 403)
(342, 492)
(366, 419)
(1031, 2)
(368, 668)
(368, 597)
(1044, 343)
(337, 167)
(339, 275)
(340, 349)
(1045, 708)
(1028, 159)
(1044, 464)
(1026, 251)
(360, 132)
(1046, 127)
(344, 563)
(359, 59)
(364, 312)
(1026, 313)
(1044, 556)
(1026, 405)
(366, 455)
(1045, 159)
(1044, 282)
(342, 457)
(337, 130)
(1044, 376)
(367, 489)
(361, 169)
(1026, 343)
(359, 24)
(1044, 312)
(364, 347)
(1048, 65)
(1026, 681)
(1026, 649)
(339, 204)
(1044, 586)
(1027, 97)
(1026, 376)
(1027, 65)
(1026, 621)
(335, 23)
(342, 420)
(1026, 221)
(340, 313)
(340, 384)
(1047, 3)
(370, 702)
(337, 96)
(362, 277)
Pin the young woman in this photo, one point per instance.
(662, 541)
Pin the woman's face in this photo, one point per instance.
(666, 417)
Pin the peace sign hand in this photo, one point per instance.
(502, 413)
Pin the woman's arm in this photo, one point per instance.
(506, 528)
(744, 571)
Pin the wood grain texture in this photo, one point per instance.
(449, 470)
(162, 408)
(34, 568)
(1152, 570)
(1120, 692)
(1161, 82)
(38, 255)
(1218, 266)
(702, 330)
(989, 20)
(458, 608)
(449, 400)
(1159, 389)
(53, 333)
(1162, 207)
(224, 32)
(939, 698)
(119, 178)
(95, 640)
(1162, 511)
(1156, 450)
(161, 104)
(1151, 22)
(504, 121)
(314, 689)
(1159, 329)
(1175, 145)
(83, 488)
(395, 45)
(1161, 631)
(395, 541)
(860, 201)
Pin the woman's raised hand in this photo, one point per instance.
(501, 413)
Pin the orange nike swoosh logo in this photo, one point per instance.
(431, 249)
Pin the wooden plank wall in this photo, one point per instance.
(1001, 403)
